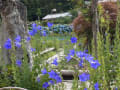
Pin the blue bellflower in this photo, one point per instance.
(18, 38)
(34, 30)
(50, 24)
(52, 74)
(31, 33)
(55, 62)
(85, 88)
(58, 79)
(28, 39)
(34, 25)
(8, 44)
(80, 54)
(116, 88)
(44, 71)
(45, 85)
(51, 82)
(72, 52)
(39, 27)
(96, 86)
(18, 63)
(86, 51)
(94, 64)
(38, 79)
(81, 63)
(33, 49)
(84, 77)
(89, 58)
(73, 40)
(44, 33)
(68, 58)
(17, 41)
(18, 44)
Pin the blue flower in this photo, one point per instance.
(96, 86)
(58, 79)
(68, 58)
(50, 24)
(72, 52)
(31, 32)
(28, 39)
(7, 44)
(55, 62)
(85, 88)
(52, 82)
(73, 40)
(18, 38)
(44, 33)
(17, 41)
(116, 88)
(89, 58)
(45, 85)
(80, 54)
(18, 44)
(94, 64)
(34, 25)
(81, 63)
(86, 51)
(18, 63)
(44, 71)
(38, 79)
(79, 44)
(52, 74)
(33, 49)
(84, 77)
(39, 27)
(34, 30)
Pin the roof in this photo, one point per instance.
(57, 15)
(107, 0)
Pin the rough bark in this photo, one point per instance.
(14, 22)
(95, 25)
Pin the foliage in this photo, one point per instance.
(103, 73)
(43, 7)
(74, 13)
(19, 74)
(38, 13)
(53, 29)
(61, 28)
(63, 20)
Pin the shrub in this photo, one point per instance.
(61, 28)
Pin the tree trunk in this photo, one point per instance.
(14, 22)
(95, 25)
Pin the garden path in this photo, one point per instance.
(59, 55)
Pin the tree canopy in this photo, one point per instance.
(39, 8)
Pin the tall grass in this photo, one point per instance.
(108, 54)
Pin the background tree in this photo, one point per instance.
(95, 25)
(38, 13)
(45, 7)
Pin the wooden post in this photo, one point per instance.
(95, 25)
